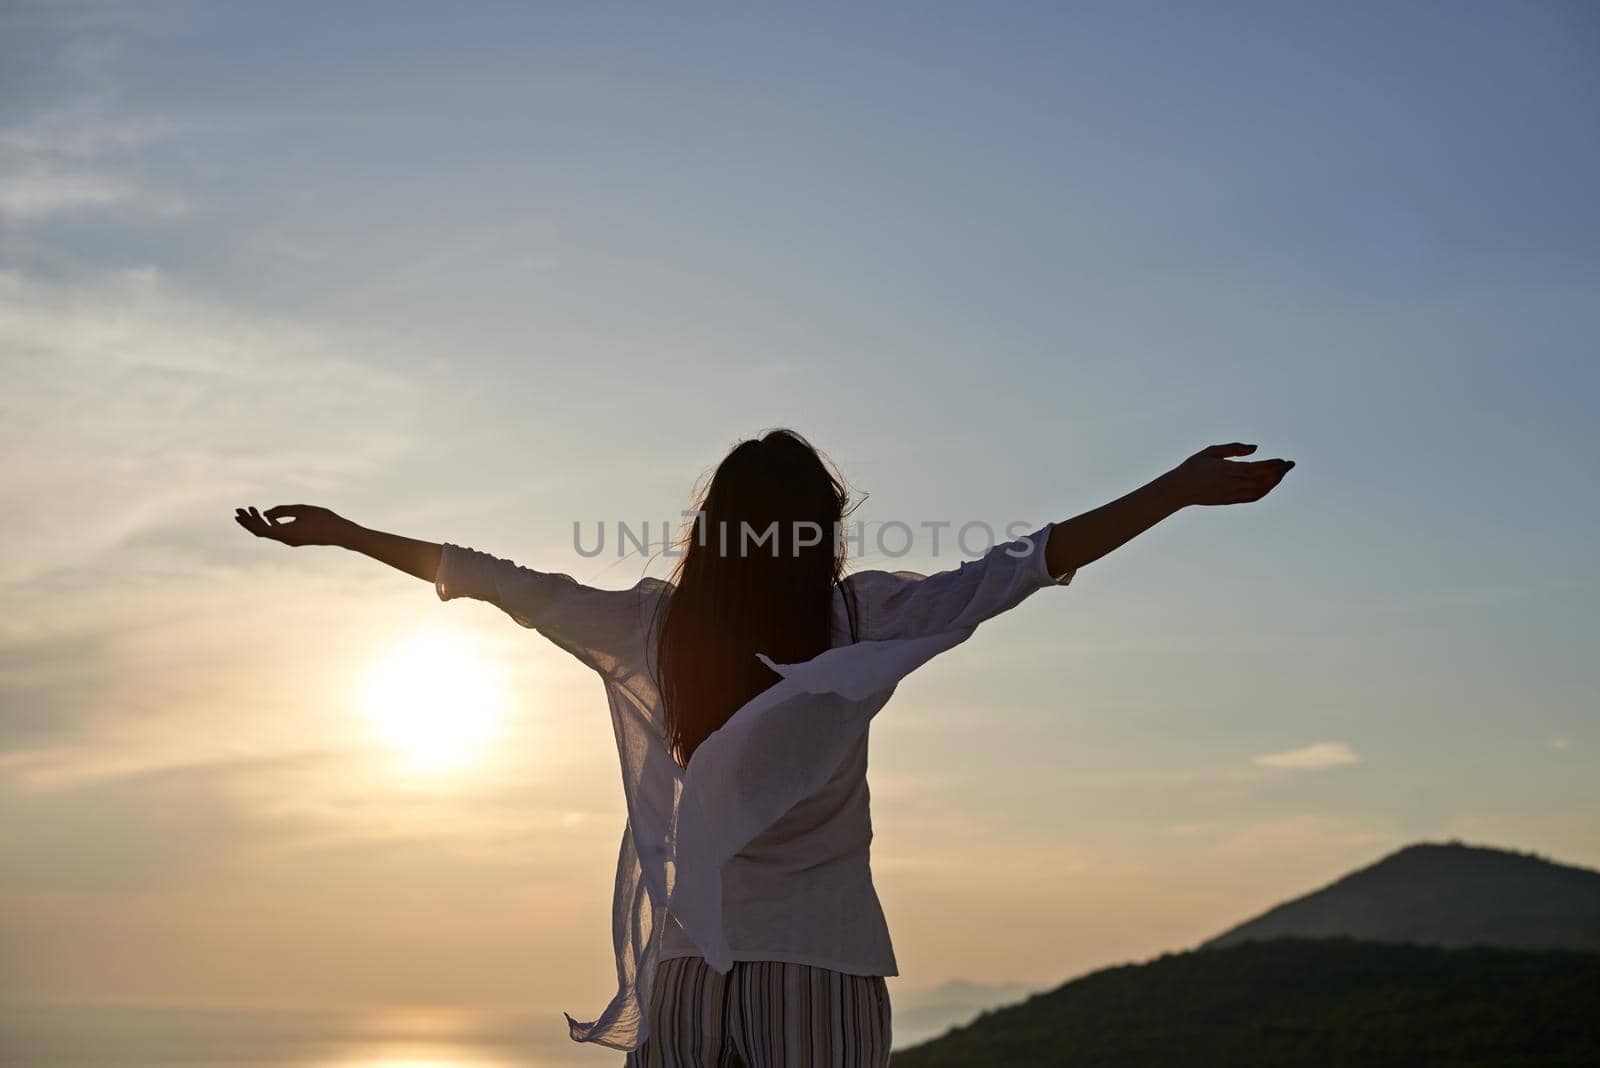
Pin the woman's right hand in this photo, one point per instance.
(307, 524)
(1213, 476)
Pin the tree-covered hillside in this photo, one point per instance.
(1297, 1003)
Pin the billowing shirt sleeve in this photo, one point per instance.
(905, 604)
(605, 629)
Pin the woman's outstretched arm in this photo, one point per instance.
(307, 524)
(1207, 477)
(603, 628)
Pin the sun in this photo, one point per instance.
(434, 702)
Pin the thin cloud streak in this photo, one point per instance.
(83, 130)
(1317, 755)
(45, 194)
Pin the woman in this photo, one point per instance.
(746, 927)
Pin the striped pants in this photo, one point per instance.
(764, 1014)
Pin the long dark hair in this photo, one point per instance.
(757, 575)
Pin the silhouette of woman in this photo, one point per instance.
(745, 923)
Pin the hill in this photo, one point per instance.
(1296, 1003)
(1447, 895)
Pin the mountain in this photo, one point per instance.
(1439, 954)
(1448, 895)
(1296, 1003)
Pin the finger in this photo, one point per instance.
(252, 525)
(291, 511)
(268, 529)
(1233, 448)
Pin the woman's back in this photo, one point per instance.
(801, 890)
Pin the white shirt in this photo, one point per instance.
(760, 849)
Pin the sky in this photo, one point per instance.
(477, 274)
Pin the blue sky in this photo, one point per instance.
(476, 274)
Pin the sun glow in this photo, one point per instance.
(434, 701)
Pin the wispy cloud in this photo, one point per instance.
(1317, 755)
(137, 405)
(83, 129)
(44, 194)
(77, 157)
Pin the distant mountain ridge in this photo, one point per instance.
(1296, 1003)
(1444, 894)
(1439, 954)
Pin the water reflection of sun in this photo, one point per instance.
(445, 1060)
(434, 701)
(427, 1057)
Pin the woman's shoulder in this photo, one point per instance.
(866, 598)
(876, 587)
(864, 582)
